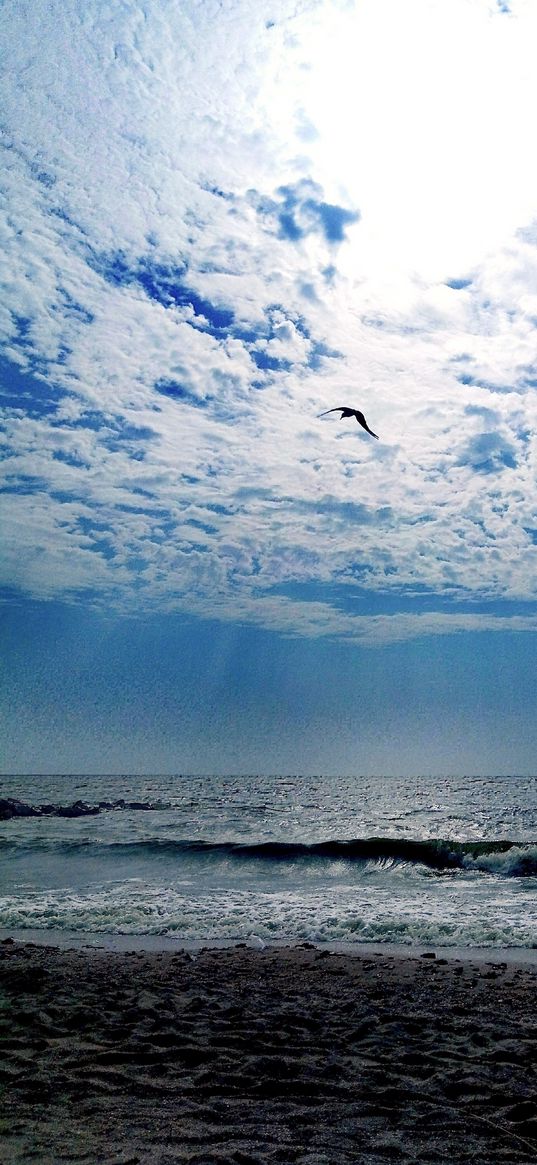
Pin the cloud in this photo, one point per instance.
(187, 290)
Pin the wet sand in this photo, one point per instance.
(280, 1055)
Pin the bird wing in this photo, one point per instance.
(348, 412)
(362, 421)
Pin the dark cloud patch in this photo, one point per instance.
(489, 453)
(531, 531)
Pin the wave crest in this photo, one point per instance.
(502, 857)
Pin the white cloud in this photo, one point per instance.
(193, 277)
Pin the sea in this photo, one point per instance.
(415, 861)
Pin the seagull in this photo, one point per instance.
(345, 412)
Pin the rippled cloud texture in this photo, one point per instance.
(225, 218)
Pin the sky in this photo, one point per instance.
(218, 221)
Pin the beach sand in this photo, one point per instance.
(278, 1055)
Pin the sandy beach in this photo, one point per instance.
(277, 1055)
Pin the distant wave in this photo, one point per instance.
(505, 857)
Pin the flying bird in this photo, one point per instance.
(345, 412)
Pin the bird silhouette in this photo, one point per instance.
(345, 412)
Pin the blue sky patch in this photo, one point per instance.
(458, 284)
(92, 419)
(469, 380)
(176, 391)
(165, 284)
(268, 363)
(127, 436)
(319, 353)
(359, 600)
(302, 210)
(305, 212)
(489, 453)
(23, 483)
(100, 535)
(69, 459)
(20, 389)
(272, 328)
(352, 513)
(74, 310)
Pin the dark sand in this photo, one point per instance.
(241, 1056)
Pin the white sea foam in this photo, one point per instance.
(256, 866)
(261, 917)
(515, 862)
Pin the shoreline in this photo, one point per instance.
(281, 1056)
(95, 940)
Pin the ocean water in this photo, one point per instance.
(444, 861)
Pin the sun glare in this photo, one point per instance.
(423, 117)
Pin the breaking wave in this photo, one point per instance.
(502, 857)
